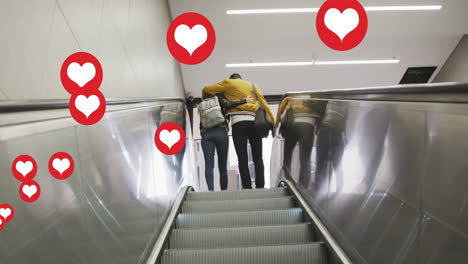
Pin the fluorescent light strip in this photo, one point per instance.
(272, 11)
(309, 63)
(357, 62)
(403, 8)
(269, 64)
(315, 10)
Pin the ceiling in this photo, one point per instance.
(416, 38)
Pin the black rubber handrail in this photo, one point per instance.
(435, 92)
(330, 241)
(37, 105)
(154, 250)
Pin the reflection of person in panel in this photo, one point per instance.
(217, 138)
(298, 123)
(174, 112)
(242, 120)
(330, 145)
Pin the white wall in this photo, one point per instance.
(456, 67)
(127, 36)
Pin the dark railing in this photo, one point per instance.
(329, 240)
(37, 105)
(433, 93)
(154, 249)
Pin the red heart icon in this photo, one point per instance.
(7, 212)
(61, 165)
(29, 191)
(24, 168)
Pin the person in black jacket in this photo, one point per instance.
(217, 138)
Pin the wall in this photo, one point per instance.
(456, 67)
(127, 36)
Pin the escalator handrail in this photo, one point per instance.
(329, 239)
(154, 251)
(10, 106)
(452, 92)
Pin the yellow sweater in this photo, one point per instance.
(300, 105)
(234, 89)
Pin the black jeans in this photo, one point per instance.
(330, 148)
(241, 133)
(215, 138)
(303, 134)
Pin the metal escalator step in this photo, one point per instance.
(312, 253)
(240, 219)
(236, 195)
(241, 237)
(238, 205)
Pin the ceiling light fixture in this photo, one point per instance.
(269, 64)
(357, 62)
(315, 10)
(310, 63)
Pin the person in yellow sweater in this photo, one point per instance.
(298, 124)
(242, 120)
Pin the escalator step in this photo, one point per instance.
(237, 195)
(312, 253)
(241, 237)
(237, 205)
(240, 219)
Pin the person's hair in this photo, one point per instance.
(235, 76)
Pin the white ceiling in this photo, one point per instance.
(416, 38)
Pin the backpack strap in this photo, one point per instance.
(255, 94)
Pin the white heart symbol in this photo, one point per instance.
(81, 75)
(29, 190)
(190, 39)
(341, 23)
(169, 138)
(5, 212)
(61, 165)
(87, 105)
(24, 167)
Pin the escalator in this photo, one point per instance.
(392, 187)
(248, 226)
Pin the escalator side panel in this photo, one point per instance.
(389, 181)
(119, 194)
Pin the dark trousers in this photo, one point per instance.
(215, 138)
(303, 134)
(330, 148)
(242, 133)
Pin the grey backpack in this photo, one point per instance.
(211, 114)
(173, 112)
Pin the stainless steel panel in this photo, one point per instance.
(388, 179)
(120, 192)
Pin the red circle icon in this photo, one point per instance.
(80, 71)
(191, 38)
(87, 107)
(169, 138)
(29, 191)
(61, 165)
(24, 168)
(341, 24)
(6, 212)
